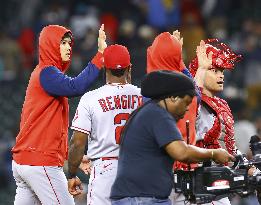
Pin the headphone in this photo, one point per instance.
(175, 99)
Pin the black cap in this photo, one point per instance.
(163, 83)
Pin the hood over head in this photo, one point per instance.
(165, 53)
(49, 47)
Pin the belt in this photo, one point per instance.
(105, 158)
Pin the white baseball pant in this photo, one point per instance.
(101, 179)
(46, 185)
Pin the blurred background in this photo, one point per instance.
(133, 23)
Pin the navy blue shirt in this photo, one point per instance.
(55, 83)
(144, 167)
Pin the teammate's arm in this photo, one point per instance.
(76, 152)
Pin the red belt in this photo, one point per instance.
(109, 158)
(105, 158)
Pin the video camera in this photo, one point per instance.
(207, 183)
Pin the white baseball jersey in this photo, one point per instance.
(102, 113)
(205, 121)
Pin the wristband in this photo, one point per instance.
(98, 60)
(70, 175)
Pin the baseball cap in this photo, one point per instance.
(164, 83)
(116, 57)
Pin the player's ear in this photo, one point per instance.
(128, 70)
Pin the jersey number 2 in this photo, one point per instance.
(118, 121)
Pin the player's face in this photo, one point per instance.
(65, 49)
(180, 106)
(214, 80)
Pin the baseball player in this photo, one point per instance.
(98, 121)
(41, 144)
(215, 123)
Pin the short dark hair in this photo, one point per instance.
(67, 35)
(118, 72)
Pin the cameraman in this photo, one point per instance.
(151, 142)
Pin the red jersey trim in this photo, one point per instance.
(80, 129)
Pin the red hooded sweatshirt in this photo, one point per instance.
(43, 136)
(165, 54)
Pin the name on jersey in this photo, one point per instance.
(120, 102)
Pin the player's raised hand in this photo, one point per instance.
(75, 186)
(204, 63)
(179, 40)
(176, 35)
(102, 39)
(204, 60)
(85, 165)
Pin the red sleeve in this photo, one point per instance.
(98, 60)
